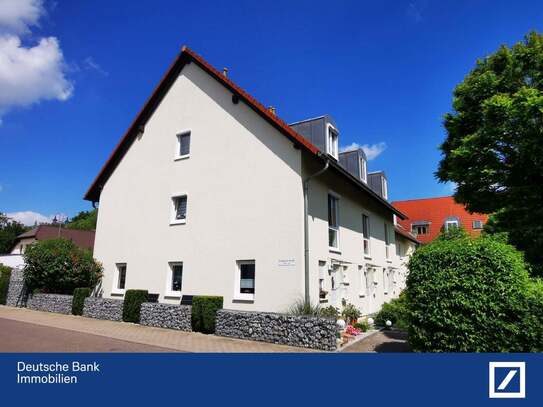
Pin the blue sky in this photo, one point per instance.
(384, 70)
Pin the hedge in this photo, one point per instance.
(395, 311)
(78, 300)
(132, 304)
(5, 275)
(204, 313)
(472, 295)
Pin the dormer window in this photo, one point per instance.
(363, 170)
(332, 142)
(451, 223)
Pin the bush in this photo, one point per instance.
(204, 313)
(472, 295)
(363, 326)
(329, 312)
(395, 311)
(350, 313)
(132, 305)
(301, 308)
(59, 266)
(78, 300)
(5, 274)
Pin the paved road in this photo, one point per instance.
(384, 341)
(16, 336)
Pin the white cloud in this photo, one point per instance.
(29, 218)
(28, 74)
(17, 16)
(91, 64)
(372, 150)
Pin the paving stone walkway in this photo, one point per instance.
(158, 337)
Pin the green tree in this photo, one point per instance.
(84, 220)
(9, 230)
(494, 145)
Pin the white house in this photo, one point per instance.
(204, 195)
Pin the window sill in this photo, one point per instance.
(246, 297)
(389, 261)
(172, 294)
(178, 222)
(181, 157)
(117, 291)
(367, 257)
(334, 250)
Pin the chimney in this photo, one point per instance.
(271, 109)
(225, 72)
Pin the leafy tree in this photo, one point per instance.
(59, 266)
(494, 144)
(9, 230)
(84, 220)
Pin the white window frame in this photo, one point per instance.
(177, 153)
(116, 280)
(388, 242)
(366, 238)
(169, 280)
(451, 222)
(384, 187)
(363, 170)
(479, 222)
(238, 295)
(422, 225)
(173, 210)
(338, 199)
(332, 143)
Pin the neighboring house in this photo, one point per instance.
(427, 217)
(204, 195)
(81, 238)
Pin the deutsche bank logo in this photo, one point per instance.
(506, 380)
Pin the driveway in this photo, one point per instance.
(60, 333)
(382, 341)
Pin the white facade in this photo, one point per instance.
(242, 180)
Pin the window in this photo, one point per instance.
(183, 145)
(322, 274)
(245, 281)
(175, 279)
(333, 221)
(387, 241)
(385, 280)
(120, 281)
(384, 187)
(452, 223)
(369, 275)
(332, 142)
(398, 249)
(477, 224)
(363, 170)
(366, 234)
(179, 210)
(420, 229)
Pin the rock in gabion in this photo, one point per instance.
(302, 331)
(166, 316)
(16, 291)
(59, 303)
(103, 308)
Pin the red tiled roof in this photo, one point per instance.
(401, 231)
(81, 238)
(436, 211)
(187, 56)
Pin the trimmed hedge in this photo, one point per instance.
(204, 313)
(5, 275)
(473, 295)
(78, 301)
(132, 305)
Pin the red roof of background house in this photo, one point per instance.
(399, 229)
(187, 56)
(81, 238)
(435, 211)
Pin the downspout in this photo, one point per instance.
(306, 227)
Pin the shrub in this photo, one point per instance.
(363, 326)
(395, 311)
(59, 266)
(472, 295)
(132, 305)
(204, 313)
(5, 274)
(329, 312)
(78, 300)
(301, 308)
(350, 313)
